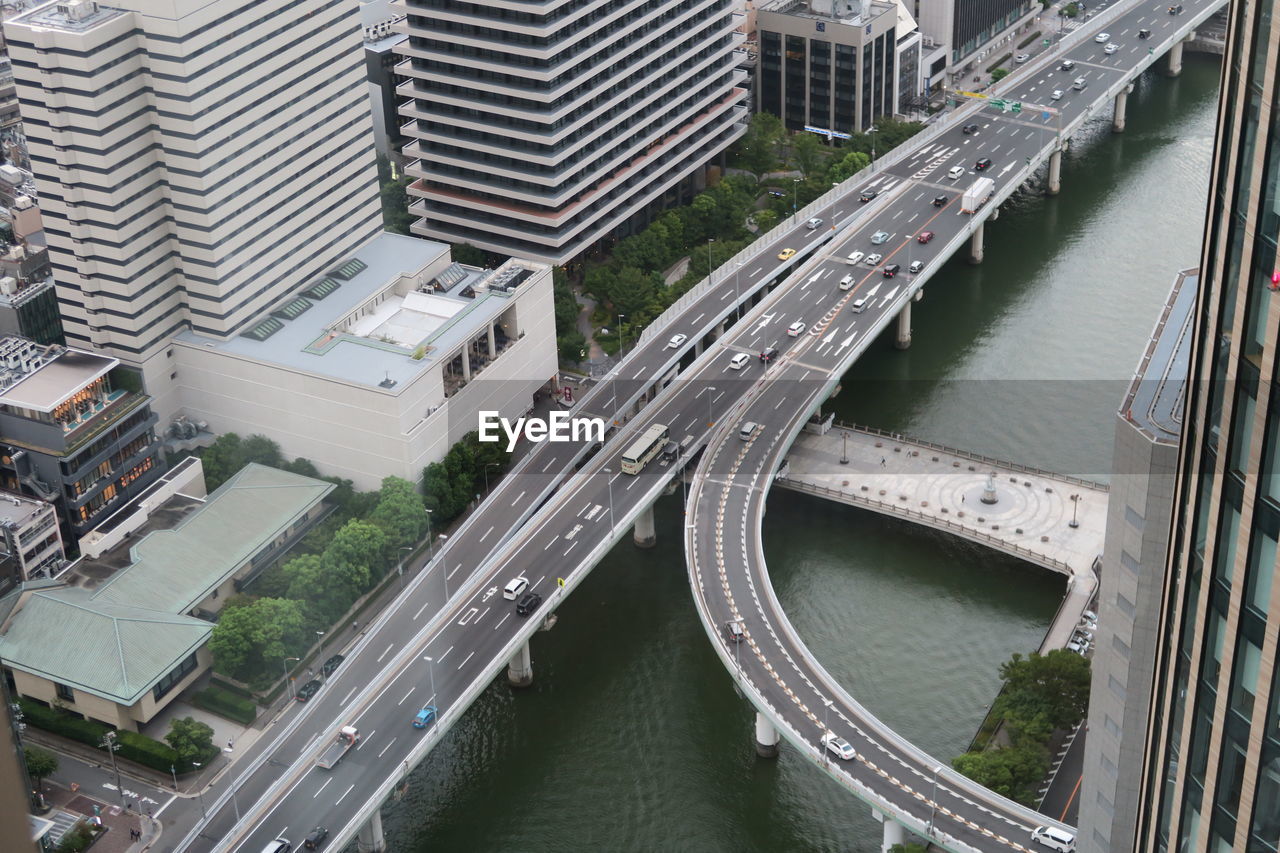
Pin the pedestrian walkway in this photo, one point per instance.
(70, 807)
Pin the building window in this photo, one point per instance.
(171, 680)
(65, 693)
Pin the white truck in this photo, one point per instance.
(977, 195)
(340, 746)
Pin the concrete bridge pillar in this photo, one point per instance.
(646, 534)
(520, 668)
(1175, 61)
(903, 339)
(975, 244)
(1055, 172)
(370, 839)
(1122, 100)
(767, 737)
(919, 294)
(893, 832)
(995, 214)
(719, 331)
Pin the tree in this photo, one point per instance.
(1052, 687)
(221, 459)
(1015, 772)
(251, 637)
(191, 739)
(41, 763)
(572, 347)
(766, 220)
(400, 512)
(999, 74)
(848, 166)
(758, 148)
(262, 450)
(394, 195)
(327, 588)
(806, 151)
(359, 543)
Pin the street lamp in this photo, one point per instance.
(487, 465)
(431, 668)
(871, 131)
(109, 744)
(710, 420)
(710, 267)
(1075, 503)
(284, 670)
(933, 801)
(608, 473)
(200, 794)
(400, 566)
(826, 708)
(431, 545)
(795, 191)
(320, 654)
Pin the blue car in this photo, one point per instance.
(424, 717)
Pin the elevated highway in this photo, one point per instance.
(451, 633)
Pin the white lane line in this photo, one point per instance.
(384, 652)
(385, 748)
(550, 462)
(503, 619)
(480, 618)
(699, 317)
(407, 695)
(780, 402)
(445, 655)
(420, 609)
(486, 533)
(166, 805)
(344, 794)
(347, 698)
(595, 510)
(518, 497)
(464, 660)
(322, 787)
(455, 569)
(571, 547)
(549, 544)
(466, 617)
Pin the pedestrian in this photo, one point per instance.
(962, 499)
(355, 626)
(881, 461)
(230, 745)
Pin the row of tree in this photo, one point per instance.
(450, 485)
(1042, 694)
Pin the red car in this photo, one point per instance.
(925, 237)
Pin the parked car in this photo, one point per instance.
(924, 237)
(331, 664)
(308, 690)
(786, 254)
(423, 718)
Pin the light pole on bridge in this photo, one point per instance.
(1075, 503)
(284, 688)
(431, 668)
(400, 565)
(933, 801)
(710, 418)
(608, 475)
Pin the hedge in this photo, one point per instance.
(226, 704)
(1001, 61)
(230, 686)
(1029, 39)
(130, 745)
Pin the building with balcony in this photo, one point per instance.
(165, 206)
(30, 540)
(381, 35)
(125, 629)
(836, 65)
(380, 364)
(1139, 519)
(537, 132)
(70, 435)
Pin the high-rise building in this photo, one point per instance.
(1211, 780)
(538, 131)
(195, 161)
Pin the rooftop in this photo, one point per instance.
(1157, 394)
(39, 377)
(19, 509)
(316, 330)
(850, 12)
(79, 15)
(121, 619)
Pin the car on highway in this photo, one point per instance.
(786, 254)
(1067, 65)
(767, 355)
(1056, 96)
(854, 257)
(733, 631)
(873, 259)
(846, 283)
(1021, 58)
(916, 266)
(838, 746)
(813, 223)
(983, 163)
(748, 429)
(676, 340)
(859, 305)
(514, 587)
(1102, 38)
(1144, 34)
(1054, 838)
(280, 845)
(528, 604)
(969, 129)
(924, 237)
(1111, 48)
(423, 718)
(738, 362)
(796, 329)
(890, 270)
(866, 196)
(955, 172)
(879, 237)
(940, 200)
(315, 838)
(331, 665)
(308, 690)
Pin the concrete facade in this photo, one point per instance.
(29, 538)
(1139, 518)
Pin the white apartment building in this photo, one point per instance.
(538, 130)
(195, 162)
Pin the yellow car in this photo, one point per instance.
(786, 254)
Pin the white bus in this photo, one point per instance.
(645, 448)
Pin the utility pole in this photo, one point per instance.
(109, 744)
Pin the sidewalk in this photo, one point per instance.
(119, 822)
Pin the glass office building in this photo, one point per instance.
(1212, 769)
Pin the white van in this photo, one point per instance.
(846, 283)
(748, 429)
(280, 845)
(859, 305)
(1054, 838)
(955, 172)
(1079, 83)
(739, 361)
(514, 587)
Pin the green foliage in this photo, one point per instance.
(126, 379)
(229, 453)
(145, 751)
(807, 152)
(757, 150)
(399, 512)
(465, 253)
(999, 74)
(130, 745)
(41, 763)
(326, 589)
(572, 347)
(450, 485)
(1015, 771)
(848, 166)
(78, 838)
(191, 739)
(253, 637)
(226, 704)
(1071, 10)
(1052, 688)
(766, 220)
(394, 195)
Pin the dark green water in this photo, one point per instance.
(632, 737)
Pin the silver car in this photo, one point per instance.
(879, 237)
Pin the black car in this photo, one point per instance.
(984, 163)
(307, 690)
(940, 200)
(969, 128)
(315, 838)
(1067, 65)
(1144, 34)
(867, 195)
(768, 354)
(528, 603)
(890, 270)
(330, 665)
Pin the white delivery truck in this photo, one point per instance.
(977, 195)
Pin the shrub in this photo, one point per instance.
(226, 704)
(147, 752)
(78, 838)
(130, 745)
